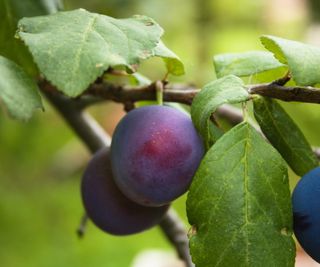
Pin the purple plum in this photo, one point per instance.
(107, 207)
(155, 152)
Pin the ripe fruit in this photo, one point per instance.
(306, 213)
(155, 152)
(107, 207)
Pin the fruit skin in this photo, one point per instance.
(107, 207)
(155, 152)
(306, 213)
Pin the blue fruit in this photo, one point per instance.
(306, 213)
(107, 207)
(155, 152)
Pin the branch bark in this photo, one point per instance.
(185, 93)
(288, 94)
(95, 138)
(124, 94)
(174, 230)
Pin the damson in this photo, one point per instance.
(155, 152)
(107, 207)
(306, 212)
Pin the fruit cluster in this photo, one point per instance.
(154, 154)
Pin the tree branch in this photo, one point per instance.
(87, 129)
(298, 94)
(124, 94)
(91, 133)
(185, 93)
(175, 231)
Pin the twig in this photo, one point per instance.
(185, 94)
(175, 231)
(128, 94)
(87, 129)
(283, 80)
(297, 93)
(230, 113)
(82, 226)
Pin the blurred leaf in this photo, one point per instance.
(18, 91)
(284, 135)
(239, 204)
(173, 62)
(229, 89)
(245, 64)
(10, 12)
(303, 60)
(73, 48)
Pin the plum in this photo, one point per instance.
(155, 152)
(306, 213)
(107, 207)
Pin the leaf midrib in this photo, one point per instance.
(88, 30)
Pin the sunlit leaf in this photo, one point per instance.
(172, 61)
(303, 60)
(73, 48)
(245, 64)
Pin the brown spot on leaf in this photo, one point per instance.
(192, 231)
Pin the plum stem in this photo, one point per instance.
(83, 225)
(159, 92)
(95, 138)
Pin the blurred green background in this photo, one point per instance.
(41, 161)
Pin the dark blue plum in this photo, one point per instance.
(306, 213)
(107, 207)
(155, 152)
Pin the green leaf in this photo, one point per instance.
(268, 76)
(73, 48)
(18, 91)
(239, 204)
(245, 64)
(214, 133)
(172, 61)
(284, 135)
(10, 12)
(139, 79)
(229, 89)
(303, 60)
